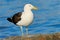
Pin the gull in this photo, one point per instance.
(24, 18)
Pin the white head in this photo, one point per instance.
(29, 7)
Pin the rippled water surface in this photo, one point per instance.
(46, 18)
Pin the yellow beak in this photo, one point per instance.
(35, 8)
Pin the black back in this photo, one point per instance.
(15, 18)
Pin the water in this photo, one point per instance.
(46, 18)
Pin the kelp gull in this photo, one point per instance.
(24, 18)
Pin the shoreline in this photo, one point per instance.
(55, 36)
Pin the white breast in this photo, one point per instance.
(26, 19)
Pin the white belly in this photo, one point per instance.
(26, 19)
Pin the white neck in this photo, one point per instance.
(27, 11)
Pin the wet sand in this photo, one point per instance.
(55, 36)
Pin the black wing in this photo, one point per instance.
(15, 18)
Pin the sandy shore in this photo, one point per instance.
(55, 36)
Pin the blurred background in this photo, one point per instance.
(46, 18)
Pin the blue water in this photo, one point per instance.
(46, 18)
